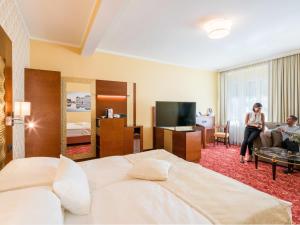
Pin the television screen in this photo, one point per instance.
(175, 114)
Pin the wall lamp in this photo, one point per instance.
(21, 109)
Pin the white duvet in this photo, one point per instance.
(78, 129)
(116, 198)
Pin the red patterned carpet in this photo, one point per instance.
(226, 161)
(77, 149)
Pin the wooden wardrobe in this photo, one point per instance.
(43, 90)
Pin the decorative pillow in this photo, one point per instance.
(277, 138)
(28, 172)
(37, 205)
(71, 186)
(266, 140)
(150, 169)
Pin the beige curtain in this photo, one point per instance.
(2, 114)
(284, 89)
(239, 89)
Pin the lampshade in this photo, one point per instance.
(22, 109)
(218, 28)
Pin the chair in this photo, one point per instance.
(222, 134)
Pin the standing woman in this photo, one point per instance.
(255, 123)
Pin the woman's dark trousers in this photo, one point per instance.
(250, 134)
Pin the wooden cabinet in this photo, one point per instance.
(207, 125)
(43, 90)
(128, 141)
(184, 144)
(158, 137)
(111, 134)
(115, 138)
(187, 145)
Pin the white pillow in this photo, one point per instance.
(150, 169)
(37, 205)
(71, 186)
(28, 172)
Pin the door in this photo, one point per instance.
(43, 126)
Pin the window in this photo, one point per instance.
(240, 89)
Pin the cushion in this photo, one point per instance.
(276, 138)
(221, 134)
(266, 139)
(150, 169)
(71, 186)
(37, 205)
(28, 172)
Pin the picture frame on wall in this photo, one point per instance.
(78, 102)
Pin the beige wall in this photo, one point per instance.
(155, 81)
(76, 117)
(13, 24)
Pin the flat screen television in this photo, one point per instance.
(175, 114)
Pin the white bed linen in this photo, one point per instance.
(72, 187)
(116, 198)
(37, 205)
(78, 129)
(28, 172)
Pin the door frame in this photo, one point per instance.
(92, 84)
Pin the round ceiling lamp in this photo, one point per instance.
(218, 28)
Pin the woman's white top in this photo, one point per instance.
(254, 118)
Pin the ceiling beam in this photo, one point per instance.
(105, 12)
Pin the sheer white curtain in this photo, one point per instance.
(239, 90)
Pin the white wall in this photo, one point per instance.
(13, 24)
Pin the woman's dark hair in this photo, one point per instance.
(256, 105)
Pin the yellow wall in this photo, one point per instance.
(76, 117)
(155, 81)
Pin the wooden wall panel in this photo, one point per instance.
(43, 90)
(105, 87)
(112, 88)
(118, 105)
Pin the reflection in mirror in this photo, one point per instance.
(78, 119)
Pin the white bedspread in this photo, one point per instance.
(116, 198)
(78, 129)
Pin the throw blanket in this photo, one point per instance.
(221, 199)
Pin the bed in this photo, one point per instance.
(191, 194)
(78, 133)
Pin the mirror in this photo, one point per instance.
(78, 118)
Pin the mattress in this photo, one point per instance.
(78, 129)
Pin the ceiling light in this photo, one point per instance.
(218, 28)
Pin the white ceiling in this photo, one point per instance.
(62, 21)
(171, 31)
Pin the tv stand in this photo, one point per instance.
(185, 144)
